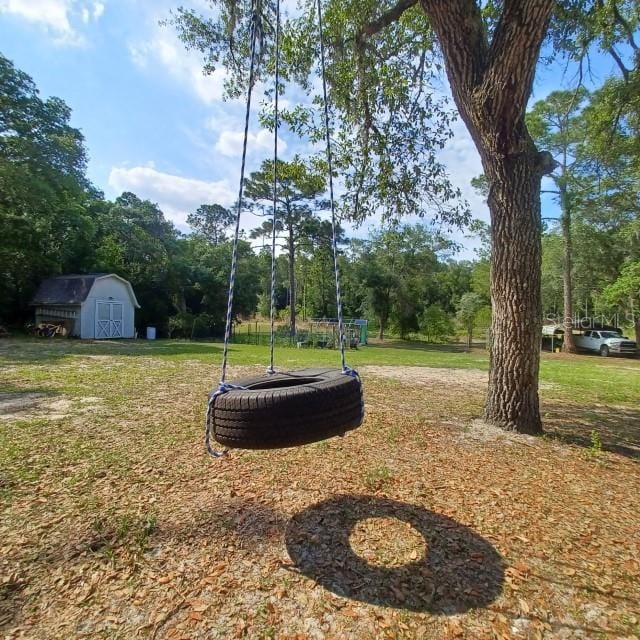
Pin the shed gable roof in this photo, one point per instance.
(73, 289)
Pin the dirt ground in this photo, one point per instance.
(423, 523)
(428, 375)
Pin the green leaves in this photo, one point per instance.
(211, 220)
(398, 270)
(45, 223)
(224, 40)
(627, 285)
(298, 195)
(471, 310)
(389, 115)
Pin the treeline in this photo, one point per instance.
(591, 255)
(53, 221)
(404, 279)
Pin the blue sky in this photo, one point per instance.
(153, 123)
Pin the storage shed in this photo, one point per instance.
(95, 305)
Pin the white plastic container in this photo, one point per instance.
(151, 333)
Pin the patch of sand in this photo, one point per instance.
(481, 431)
(435, 375)
(20, 406)
(429, 375)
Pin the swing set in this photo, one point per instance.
(282, 409)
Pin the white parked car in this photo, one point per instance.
(606, 343)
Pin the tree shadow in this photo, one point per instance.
(11, 600)
(245, 522)
(618, 428)
(21, 351)
(16, 401)
(459, 571)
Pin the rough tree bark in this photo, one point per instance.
(381, 328)
(491, 83)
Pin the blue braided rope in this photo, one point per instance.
(336, 267)
(234, 256)
(224, 387)
(272, 338)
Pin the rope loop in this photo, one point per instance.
(209, 427)
(348, 371)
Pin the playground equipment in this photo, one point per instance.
(323, 333)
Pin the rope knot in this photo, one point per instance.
(348, 371)
(209, 430)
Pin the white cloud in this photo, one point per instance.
(463, 163)
(56, 17)
(177, 196)
(53, 14)
(165, 50)
(230, 142)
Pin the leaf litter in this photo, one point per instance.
(114, 523)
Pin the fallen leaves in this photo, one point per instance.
(199, 606)
(120, 523)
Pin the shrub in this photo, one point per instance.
(436, 324)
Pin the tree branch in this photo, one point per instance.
(513, 56)
(617, 18)
(625, 25)
(461, 34)
(618, 59)
(388, 17)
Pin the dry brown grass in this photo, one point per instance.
(421, 524)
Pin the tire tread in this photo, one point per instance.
(288, 416)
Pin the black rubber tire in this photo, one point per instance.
(604, 351)
(287, 409)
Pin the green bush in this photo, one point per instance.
(181, 325)
(436, 324)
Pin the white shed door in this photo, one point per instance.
(108, 319)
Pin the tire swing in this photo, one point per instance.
(282, 409)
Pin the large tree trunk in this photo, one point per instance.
(491, 83)
(381, 329)
(516, 321)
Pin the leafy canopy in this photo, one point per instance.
(390, 114)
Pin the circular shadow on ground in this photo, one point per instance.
(459, 571)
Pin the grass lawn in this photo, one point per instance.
(420, 524)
